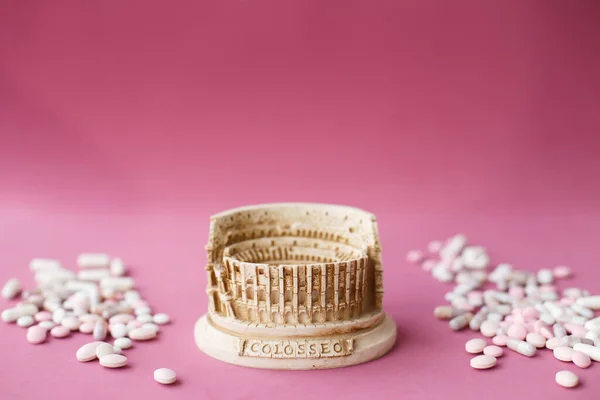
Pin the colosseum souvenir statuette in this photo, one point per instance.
(294, 286)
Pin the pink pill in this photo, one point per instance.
(60, 331)
(531, 312)
(546, 332)
(493, 350)
(414, 256)
(566, 301)
(43, 316)
(36, 334)
(428, 265)
(434, 246)
(538, 325)
(547, 288)
(576, 330)
(562, 272)
(489, 328)
(536, 339)
(121, 318)
(564, 353)
(581, 360)
(87, 327)
(553, 343)
(517, 331)
(517, 292)
(500, 340)
(475, 346)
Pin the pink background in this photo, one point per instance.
(124, 125)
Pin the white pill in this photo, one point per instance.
(453, 247)
(591, 351)
(567, 379)
(132, 296)
(559, 330)
(113, 361)
(25, 321)
(563, 353)
(123, 343)
(475, 346)
(489, 328)
(145, 318)
(441, 312)
(47, 325)
(99, 331)
(117, 267)
(460, 322)
(142, 334)
(11, 288)
(483, 362)
(117, 330)
(43, 263)
(151, 325)
(494, 351)
(13, 314)
(536, 339)
(592, 324)
(87, 352)
(117, 283)
(142, 310)
(58, 315)
(93, 274)
(161, 319)
(104, 349)
(545, 276)
(93, 260)
(60, 331)
(591, 302)
(442, 273)
(521, 347)
(165, 376)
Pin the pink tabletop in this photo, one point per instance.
(124, 125)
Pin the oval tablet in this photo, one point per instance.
(142, 334)
(123, 343)
(536, 339)
(87, 352)
(483, 362)
(25, 321)
(581, 360)
(566, 379)
(113, 361)
(104, 349)
(36, 334)
(60, 331)
(161, 318)
(165, 376)
(553, 343)
(564, 353)
(475, 346)
(494, 351)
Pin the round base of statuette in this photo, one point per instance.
(331, 351)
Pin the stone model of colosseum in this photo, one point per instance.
(294, 286)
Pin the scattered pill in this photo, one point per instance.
(123, 343)
(93, 260)
(592, 351)
(494, 351)
(13, 314)
(521, 347)
(47, 325)
(113, 361)
(553, 343)
(489, 328)
(60, 331)
(36, 334)
(140, 334)
(567, 379)
(72, 323)
(145, 318)
(459, 322)
(11, 288)
(483, 362)
(536, 339)
(104, 349)
(517, 331)
(165, 376)
(161, 318)
(475, 346)
(562, 272)
(500, 340)
(563, 353)
(117, 267)
(414, 256)
(87, 352)
(581, 360)
(591, 302)
(25, 321)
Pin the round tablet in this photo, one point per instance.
(165, 376)
(493, 350)
(483, 362)
(567, 379)
(113, 361)
(475, 346)
(536, 339)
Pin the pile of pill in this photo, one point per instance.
(521, 310)
(98, 300)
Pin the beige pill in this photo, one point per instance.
(483, 362)
(142, 334)
(113, 361)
